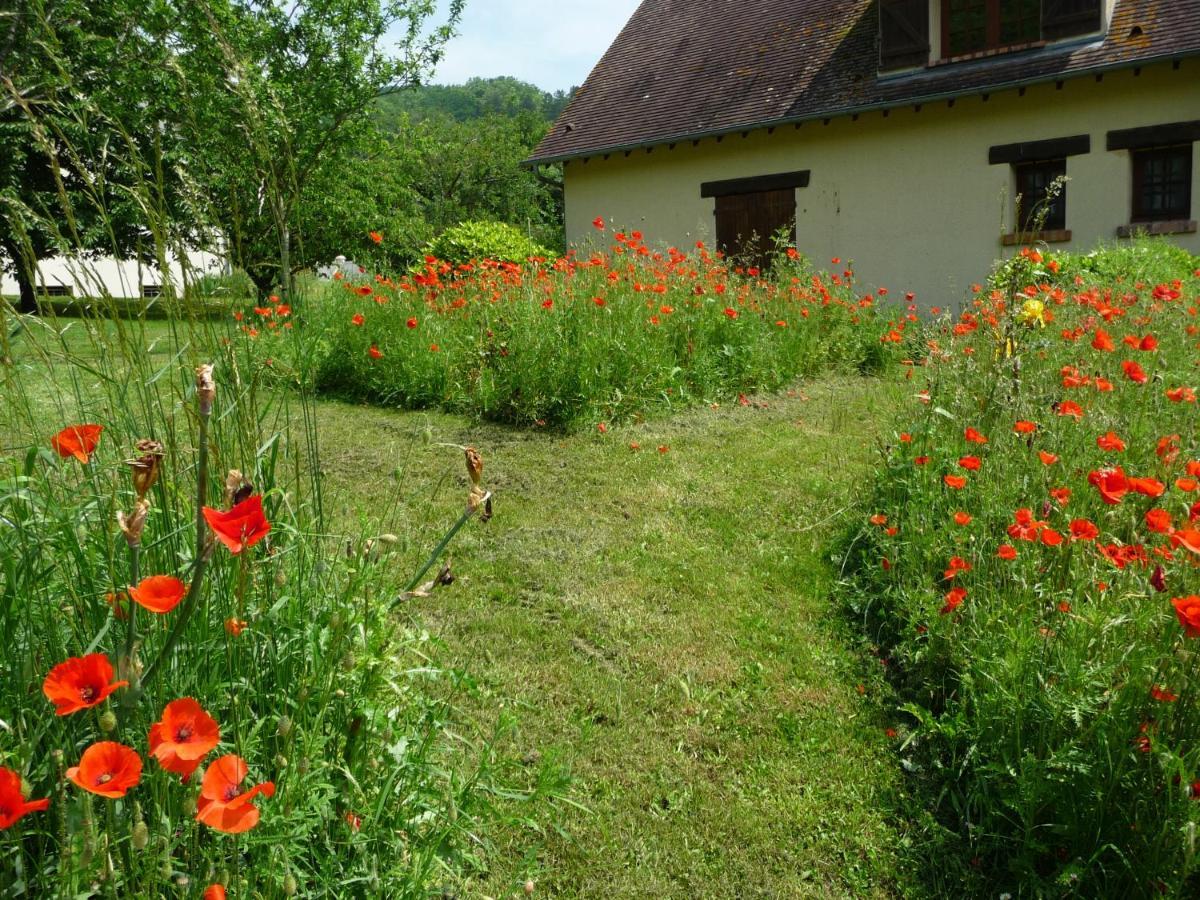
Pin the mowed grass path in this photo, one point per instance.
(661, 623)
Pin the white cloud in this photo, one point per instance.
(552, 46)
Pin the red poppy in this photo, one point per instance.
(1025, 427)
(412, 322)
(235, 627)
(1149, 343)
(970, 463)
(1064, 606)
(1007, 552)
(598, 223)
(955, 482)
(108, 769)
(183, 737)
(357, 319)
(1103, 341)
(920, 460)
(953, 600)
(1181, 395)
(1149, 487)
(214, 892)
(730, 312)
(1070, 408)
(1050, 537)
(222, 806)
(80, 683)
(1111, 442)
(1111, 483)
(957, 564)
(1083, 530)
(973, 435)
(1134, 372)
(159, 593)
(374, 352)
(1025, 527)
(1167, 449)
(1188, 611)
(1158, 521)
(78, 441)
(1062, 495)
(12, 802)
(962, 518)
(1048, 459)
(241, 527)
(1187, 484)
(1162, 695)
(1186, 538)
(376, 237)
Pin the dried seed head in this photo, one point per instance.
(474, 465)
(206, 389)
(528, 887)
(133, 524)
(145, 468)
(237, 488)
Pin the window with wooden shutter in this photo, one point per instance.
(903, 34)
(747, 224)
(1068, 18)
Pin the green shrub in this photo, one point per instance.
(477, 241)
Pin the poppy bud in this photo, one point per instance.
(206, 389)
(1158, 580)
(140, 837)
(237, 488)
(145, 468)
(280, 761)
(284, 728)
(304, 766)
(183, 881)
(290, 887)
(528, 887)
(280, 578)
(189, 805)
(1046, 509)
(108, 721)
(166, 869)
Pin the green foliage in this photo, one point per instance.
(478, 241)
(1032, 721)
(479, 98)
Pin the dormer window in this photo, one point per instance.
(971, 28)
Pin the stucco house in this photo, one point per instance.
(898, 133)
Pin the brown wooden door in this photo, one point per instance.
(746, 224)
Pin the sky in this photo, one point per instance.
(551, 44)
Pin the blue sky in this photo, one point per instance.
(551, 44)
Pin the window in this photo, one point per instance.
(59, 290)
(971, 26)
(1162, 183)
(151, 291)
(1033, 183)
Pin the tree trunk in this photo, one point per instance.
(28, 303)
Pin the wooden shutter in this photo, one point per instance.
(746, 224)
(1068, 18)
(903, 34)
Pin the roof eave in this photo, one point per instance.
(840, 112)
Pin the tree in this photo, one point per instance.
(278, 99)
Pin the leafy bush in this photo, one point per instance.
(1033, 530)
(621, 334)
(472, 241)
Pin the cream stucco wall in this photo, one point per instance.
(910, 196)
(114, 277)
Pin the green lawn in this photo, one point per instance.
(659, 624)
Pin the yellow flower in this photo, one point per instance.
(1033, 312)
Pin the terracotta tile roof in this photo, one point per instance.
(686, 68)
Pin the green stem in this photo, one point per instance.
(134, 691)
(437, 551)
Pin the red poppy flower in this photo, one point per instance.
(1070, 408)
(920, 460)
(1062, 495)
(962, 518)
(108, 769)
(970, 463)
(973, 435)
(221, 806)
(1025, 527)
(1048, 459)
(12, 802)
(159, 593)
(1162, 695)
(1025, 427)
(598, 223)
(79, 441)
(241, 527)
(1134, 372)
(1167, 448)
(357, 319)
(957, 564)
(1050, 537)
(80, 683)
(1187, 484)
(1186, 538)
(412, 322)
(1111, 483)
(953, 600)
(235, 627)
(1181, 395)
(376, 237)
(1007, 552)
(214, 892)
(955, 482)
(1158, 521)
(1149, 487)
(878, 519)
(183, 737)
(1083, 530)
(1149, 343)
(1111, 442)
(1103, 341)
(1188, 611)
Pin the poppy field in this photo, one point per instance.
(1029, 569)
(607, 335)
